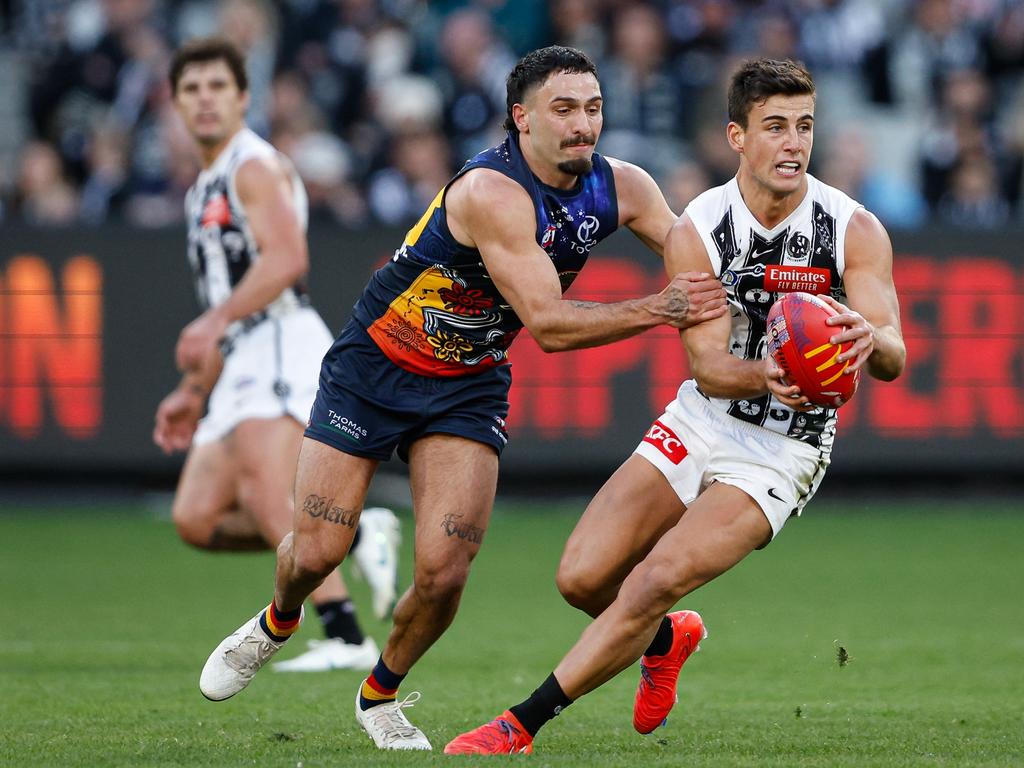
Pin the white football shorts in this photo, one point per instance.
(272, 370)
(693, 445)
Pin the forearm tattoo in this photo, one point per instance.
(322, 507)
(452, 526)
(587, 304)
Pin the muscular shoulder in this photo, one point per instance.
(634, 186)
(484, 187)
(865, 235)
(260, 173)
(484, 198)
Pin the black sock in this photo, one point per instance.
(543, 704)
(662, 642)
(339, 620)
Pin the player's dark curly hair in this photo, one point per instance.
(204, 49)
(535, 68)
(755, 81)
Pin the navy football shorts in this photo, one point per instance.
(368, 406)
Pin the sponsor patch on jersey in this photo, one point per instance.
(216, 212)
(783, 278)
(666, 441)
(586, 232)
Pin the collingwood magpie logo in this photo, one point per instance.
(799, 246)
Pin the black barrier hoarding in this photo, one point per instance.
(88, 321)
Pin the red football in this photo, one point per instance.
(798, 339)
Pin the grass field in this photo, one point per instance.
(108, 619)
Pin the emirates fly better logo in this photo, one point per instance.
(786, 279)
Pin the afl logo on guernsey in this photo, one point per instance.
(549, 237)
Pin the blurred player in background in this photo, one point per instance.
(255, 352)
(739, 450)
(423, 365)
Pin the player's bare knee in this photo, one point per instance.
(194, 534)
(310, 562)
(652, 589)
(440, 581)
(579, 588)
(194, 526)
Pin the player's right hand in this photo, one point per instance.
(177, 417)
(197, 342)
(691, 298)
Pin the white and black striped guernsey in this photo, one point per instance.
(221, 247)
(805, 252)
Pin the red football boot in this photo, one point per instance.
(656, 693)
(504, 735)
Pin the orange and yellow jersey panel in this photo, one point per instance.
(434, 310)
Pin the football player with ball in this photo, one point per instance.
(742, 448)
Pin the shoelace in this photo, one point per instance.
(250, 654)
(645, 676)
(499, 735)
(510, 734)
(390, 719)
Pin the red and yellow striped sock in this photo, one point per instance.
(380, 687)
(373, 693)
(280, 625)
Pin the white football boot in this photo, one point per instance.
(237, 659)
(376, 557)
(387, 725)
(332, 653)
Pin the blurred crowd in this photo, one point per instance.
(920, 111)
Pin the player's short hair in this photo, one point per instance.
(535, 68)
(757, 80)
(205, 49)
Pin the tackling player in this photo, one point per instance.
(246, 218)
(423, 365)
(738, 451)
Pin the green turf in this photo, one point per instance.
(108, 619)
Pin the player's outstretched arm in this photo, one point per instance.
(719, 373)
(490, 212)
(264, 188)
(872, 321)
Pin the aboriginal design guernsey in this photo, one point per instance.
(804, 252)
(434, 310)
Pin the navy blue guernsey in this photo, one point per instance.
(434, 310)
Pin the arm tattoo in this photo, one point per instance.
(320, 506)
(586, 304)
(465, 531)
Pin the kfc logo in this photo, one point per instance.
(666, 441)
